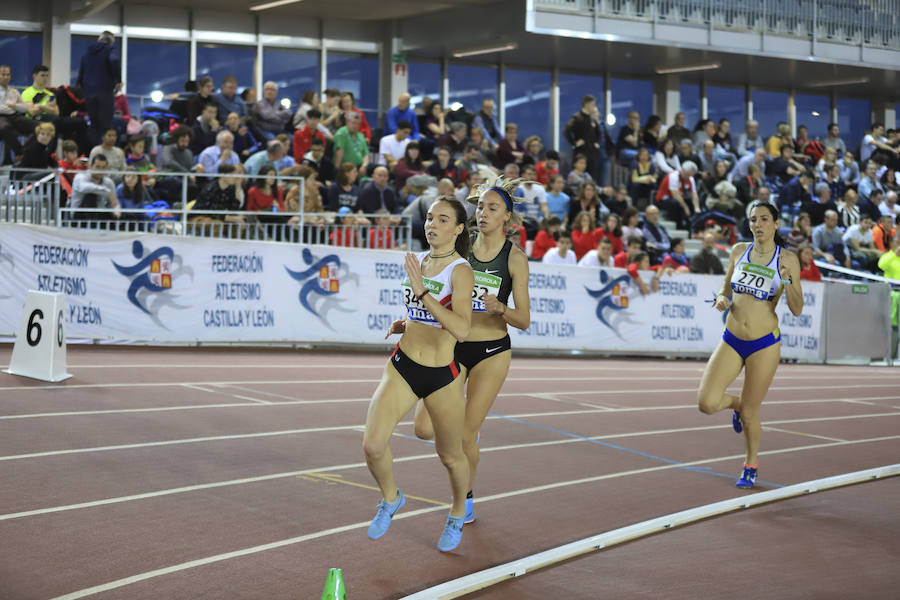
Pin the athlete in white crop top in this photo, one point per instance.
(758, 274)
(438, 292)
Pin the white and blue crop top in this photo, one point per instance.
(438, 285)
(763, 282)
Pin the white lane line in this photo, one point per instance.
(111, 585)
(223, 393)
(344, 467)
(802, 433)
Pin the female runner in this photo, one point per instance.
(758, 273)
(438, 292)
(500, 268)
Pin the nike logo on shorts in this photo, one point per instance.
(489, 350)
(396, 358)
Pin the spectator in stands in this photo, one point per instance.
(859, 241)
(706, 262)
(392, 147)
(889, 205)
(97, 76)
(134, 153)
(619, 201)
(883, 233)
(13, 118)
(532, 196)
(655, 235)
(828, 159)
(708, 157)
(312, 198)
(749, 141)
(381, 235)
(890, 180)
(401, 112)
(484, 120)
(486, 153)
(115, 156)
(222, 193)
(778, 139)
(808, 269)
(132, 194)
(222, 153)
(308, 101)
(350, 145)
(686, 152)
(631, 223)
(319, 162)
(270, 116)
(344, 191)
(601, 257)
(665, 158)
(205, 128)
(704, 130)
(819, 202)
(747, 187)
(469, 161)
(411, 164)
(443, 166)
(587, 200)
(70, 160)
(869, 182)
(629, 139)
(473, 180)
(612, 231)
(455, 139)
(828, 242)
(678, 131)
(377, 193)
(848, 211)
(724, 200)
(304, 134)
(677, 195)
(557, 200)
(510, 149)
(723, 141)
(546, 237)
(435, 122)
(265, 194)
(633, 245)
(177, 157)
(874, 143)
(833, 140)
(578, 176)
(92, 189)
(711, 179)
(198, 102)
(589, 137)
(511, 171)
(889, 262)
(643, 179)
(801, 233)
(833, 179)
(784, 168)
(347, 106)
(585, 233)
(245, 143)
(41, 106)
(798, 193)
(562, 254)
(650, 132)
(849, 169)
(534, 148)
(228, 99)
(641, 262)
(675, 258)
(331, 113)
(273, 155)
(548, 167)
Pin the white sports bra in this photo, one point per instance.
(438, 285)
(763, 282)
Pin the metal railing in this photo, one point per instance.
(42, 202)
(867, 22)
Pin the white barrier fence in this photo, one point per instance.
(149, 288)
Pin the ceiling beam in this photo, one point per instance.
(88, 9)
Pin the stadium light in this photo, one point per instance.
(269, 5)
(486, 49)
(610, 119)
(687, 69)
(156, 96)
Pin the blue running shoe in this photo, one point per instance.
(452, 535)
(736, 422)
(383, 517)
(470, 511)
(748, 478)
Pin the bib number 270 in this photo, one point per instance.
(749, 279)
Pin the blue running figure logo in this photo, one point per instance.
(612, 298)
(152, 275)
(321, 283)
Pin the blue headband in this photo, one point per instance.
(505, 195)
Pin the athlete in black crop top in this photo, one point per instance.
(500, 269)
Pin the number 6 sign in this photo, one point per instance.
(40, 348)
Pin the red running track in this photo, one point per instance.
(238, 474)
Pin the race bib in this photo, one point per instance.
(415, 309)
(484, 284)
(753, 279)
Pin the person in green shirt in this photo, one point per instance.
(40, 103)
(890, 260)
(350, 144)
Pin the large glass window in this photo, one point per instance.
(629, 95)
(80, 44)
(470, 85)
(854, 119)
(528, 103)
(727, 103)
(357, 73)
(814, 112)
(690, 104)
(572, 88)
(769, 108)
(424, 80)
(152, 66)
(219, 61)
(22, 51)
(294, 71)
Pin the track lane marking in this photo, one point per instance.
(810, 435)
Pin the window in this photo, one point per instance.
(294, 72)
(727, 103)
(814, 112)
(424, 80)
(22, 51)
(219, 61)
(357, 73)
(572, 88)
(528, 103)
(690, 104)
(470, 85)
(152, 66)
(769, 108)
(854, 119)
(629, 95)
(80, 44)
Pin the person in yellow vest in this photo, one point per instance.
(40, 102)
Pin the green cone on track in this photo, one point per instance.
(334, 586)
